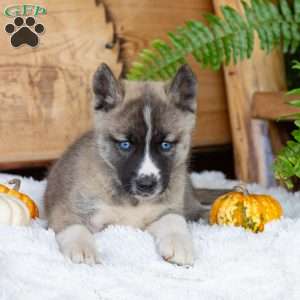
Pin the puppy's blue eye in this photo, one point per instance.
(124, 145)
(166, 146)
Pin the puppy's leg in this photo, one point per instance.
(174, 241)
(77, 243)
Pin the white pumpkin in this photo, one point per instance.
(13, 211)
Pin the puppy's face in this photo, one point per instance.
(144, 128)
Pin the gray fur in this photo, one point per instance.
(84, 187)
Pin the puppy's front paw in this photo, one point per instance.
(177, 249)
(78, 244)
(81, 252)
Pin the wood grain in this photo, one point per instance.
(273, 105)
(252, 149)
(45, 91)
(279, 136)
(138, 22)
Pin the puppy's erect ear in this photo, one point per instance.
(107, 90)
(183, 89)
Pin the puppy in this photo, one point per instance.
(131, 169)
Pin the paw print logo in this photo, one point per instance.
(24, 32)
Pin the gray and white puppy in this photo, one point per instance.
(131, 169)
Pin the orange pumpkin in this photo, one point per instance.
(32, 207)
(239, 208)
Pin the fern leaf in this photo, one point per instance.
(286, 11)
(297, 11)
(216, 26)
(194, 27)
(225, 39)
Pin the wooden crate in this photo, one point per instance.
(251, 143)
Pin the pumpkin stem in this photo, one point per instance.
(241, 188)
(17, 184)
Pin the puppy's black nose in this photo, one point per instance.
(146, 184)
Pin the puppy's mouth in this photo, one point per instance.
(145, 189)
(142, 196)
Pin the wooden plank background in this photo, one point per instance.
(137, 22)
(273, 105)
(45, 91)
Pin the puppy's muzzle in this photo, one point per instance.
(146, 185)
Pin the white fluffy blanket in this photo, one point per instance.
(230, 262)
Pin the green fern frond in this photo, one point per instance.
(224, 39)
